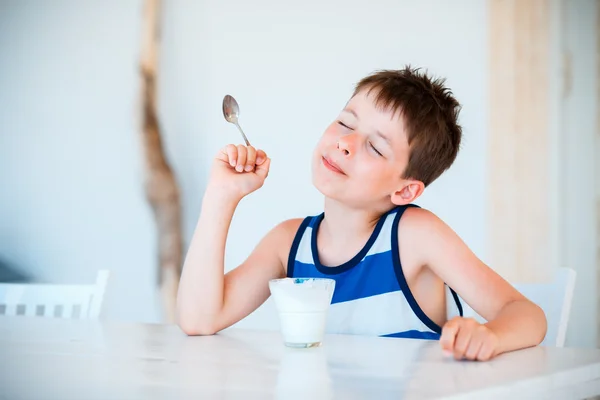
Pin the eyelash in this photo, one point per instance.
(375, 150)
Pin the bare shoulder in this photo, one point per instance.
(420, 220)
(289, 225)
(419, 226)
(282, 235)
(273, 249)
(421, 233)
(286, 230)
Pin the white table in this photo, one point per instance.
(65, 359)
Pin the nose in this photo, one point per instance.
(347, 144)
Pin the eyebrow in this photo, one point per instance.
(381, 135)
(351, 112)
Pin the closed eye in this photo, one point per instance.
(344, 125)
(374, 149)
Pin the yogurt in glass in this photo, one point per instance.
(302, 305)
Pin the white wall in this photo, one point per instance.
(70, 170)
(578, 180)
(71, 199)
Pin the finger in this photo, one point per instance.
(474, 346)
(241, 159)
(486, 351)
(463, 338)
(227, 153)
(448, 337)
(232, 154)
(250, 158)
(263, 169)
(261, 156)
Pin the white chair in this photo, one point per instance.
(53, 301)
(555, 298)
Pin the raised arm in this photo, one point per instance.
(209, 301)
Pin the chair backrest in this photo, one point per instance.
(555, 298)
(54, 301)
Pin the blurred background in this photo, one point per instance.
(71, 161)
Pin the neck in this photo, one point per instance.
(344, 224)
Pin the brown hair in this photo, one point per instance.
(430, 115)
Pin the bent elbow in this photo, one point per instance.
(197, 328)
(543, 322)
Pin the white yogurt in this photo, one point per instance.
(302, 304)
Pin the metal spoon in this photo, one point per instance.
(231, 111)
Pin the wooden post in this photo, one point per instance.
(519, 213)
(598, 165)
(160, 185)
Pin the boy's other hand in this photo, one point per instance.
(239, 170)
(465, 338)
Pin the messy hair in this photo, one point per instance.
(430, 115)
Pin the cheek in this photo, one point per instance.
(327, 140)
(376, 175)
(331, 132)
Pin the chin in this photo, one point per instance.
(320, 184)
(325, 186)
(334, 191)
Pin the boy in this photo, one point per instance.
(392, 261)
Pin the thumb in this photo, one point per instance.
(262, 170)
(449, 332)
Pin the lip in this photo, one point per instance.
(331, 165)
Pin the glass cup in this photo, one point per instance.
(302, 304)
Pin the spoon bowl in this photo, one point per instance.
(231, 112)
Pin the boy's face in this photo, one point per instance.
(360, 158)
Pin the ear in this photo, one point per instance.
(408, 193)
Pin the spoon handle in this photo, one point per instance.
(242, 132)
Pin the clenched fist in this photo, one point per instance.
(239, 170)
(465, 338)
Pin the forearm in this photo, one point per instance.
(519, 324)
(200, 295)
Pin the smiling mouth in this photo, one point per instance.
(329, 165)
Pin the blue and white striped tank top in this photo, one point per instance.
(371, 295)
